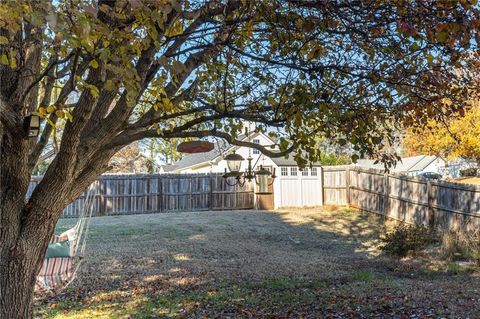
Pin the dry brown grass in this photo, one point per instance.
(289, 263)
(467, 180)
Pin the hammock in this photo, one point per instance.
(65, 251)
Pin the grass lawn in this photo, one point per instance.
(308, 263)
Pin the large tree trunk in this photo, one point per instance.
(20, 254)
(18, 270)
(26, 227)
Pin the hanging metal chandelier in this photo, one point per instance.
(236, 177)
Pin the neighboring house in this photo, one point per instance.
(292, 187)
(412, 166)
(456, 166)
(213, 161)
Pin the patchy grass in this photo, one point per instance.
(363, 275)
(296, 263)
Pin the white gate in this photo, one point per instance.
(295, 188)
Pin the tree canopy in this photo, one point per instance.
(345, 70)
(109, 73)
(455, 137)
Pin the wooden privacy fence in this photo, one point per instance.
(410, 199)
(136, 194)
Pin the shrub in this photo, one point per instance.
(468, 172)
(405, 239)
(461, 245)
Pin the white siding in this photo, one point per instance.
(298, 191)
(219, 165)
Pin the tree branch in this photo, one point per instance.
(9, 118)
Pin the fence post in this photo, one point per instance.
(386, 194)
(160, 192)
(347, 185)
(210, 193)
(190, 195)
(322, 188)
(431, 213)
(102, 205)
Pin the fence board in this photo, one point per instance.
(409, 199)
(137, 194)
(334, 185)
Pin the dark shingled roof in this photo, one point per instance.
(221, 146)
(289, 161)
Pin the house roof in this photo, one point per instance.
(288, 161)
(406, 164)
(198, 158)
(169, 168)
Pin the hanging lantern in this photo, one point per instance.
(31, 125)
(234, 162)
(261, 178)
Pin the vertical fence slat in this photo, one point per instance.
(136, 194)
(405, 198)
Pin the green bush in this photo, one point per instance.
(405, 239)
(334, 159)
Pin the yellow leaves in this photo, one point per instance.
(51, 108)
(447, 101)
(45, 111)
(442, 36)
(248, 29)
(457, 138)
(298, 119)
(175, 29)
(42, 111)
(4, 59)
(13, 60)
(109, 85)
(68, 115)
(9, 60)
(167, 105)
(271, 101)
(299, 23)
(94, 64)
(430, 59)
(64, 114)
(60, 113)
(3, 40)
(316, 51)
(164, 104)
(94, 91)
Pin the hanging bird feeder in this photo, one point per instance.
(195, 147)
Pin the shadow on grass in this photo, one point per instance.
(311, 263)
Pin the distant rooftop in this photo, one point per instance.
(406, 164)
